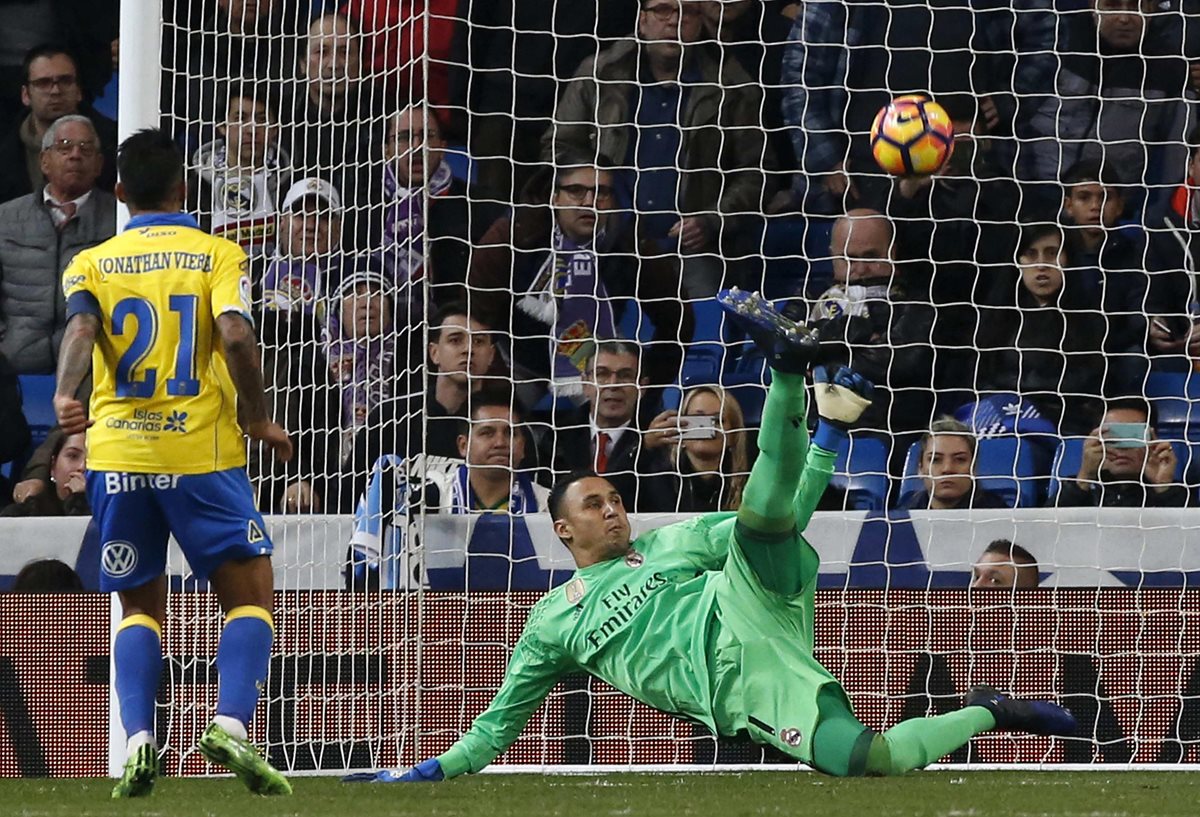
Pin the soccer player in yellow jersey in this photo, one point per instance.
(160, 315)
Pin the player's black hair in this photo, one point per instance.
(1134, 403)
(1018, 554)
(150, 165)
(555, 500)
(47, 576)
(45, 50)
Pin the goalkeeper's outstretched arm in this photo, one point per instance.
(533, 671)
(842, 396)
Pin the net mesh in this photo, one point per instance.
(437, 195)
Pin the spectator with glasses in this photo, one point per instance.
(50, 89)
(39, 235)
(422, 221)
(661, 103)
(574, 267)
(604, 434)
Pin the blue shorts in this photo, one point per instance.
(212, 516)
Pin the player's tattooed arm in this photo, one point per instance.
(241, 357)
(74, 364)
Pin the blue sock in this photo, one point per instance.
(242, 659)
(137, 656)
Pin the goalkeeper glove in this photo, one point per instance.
(842, 397)
(427, 771)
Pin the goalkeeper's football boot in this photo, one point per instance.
(1036, 717)
(241, 758)
(788, 346)
(141, 770)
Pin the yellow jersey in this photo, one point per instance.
(162, 398)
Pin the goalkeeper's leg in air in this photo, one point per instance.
(787, 699)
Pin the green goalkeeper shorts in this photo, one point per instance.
(766, 678)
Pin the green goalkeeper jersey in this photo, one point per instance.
(646, 624)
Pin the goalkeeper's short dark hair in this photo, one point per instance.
(561, 486)
(150, 165)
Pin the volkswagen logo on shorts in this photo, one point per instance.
(790, 736)
(118, 558)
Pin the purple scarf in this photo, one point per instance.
(362, 370)
(568, 295)
(404, 223)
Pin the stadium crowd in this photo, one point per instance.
(490, 244)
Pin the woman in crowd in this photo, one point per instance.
(712, 469)
(65, 493)
(1042, 332)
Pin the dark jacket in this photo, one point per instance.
(33, 255)
(301, 398)
(454, 225)
(47, 503)
(1129, 109)
(722, 142)
(1120, 495)
(644, 479)
(1053, 355)
(978, 498)
(891, 347)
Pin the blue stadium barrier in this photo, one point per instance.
(1017, 469)
(861, 470)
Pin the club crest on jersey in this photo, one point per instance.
(575, 590)
(790, 736)
(634, 559)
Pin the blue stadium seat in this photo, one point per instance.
(37, 402)
(861, 470)
(462, 166)
(1173, 394)
(1069, 457)
(1016, 468)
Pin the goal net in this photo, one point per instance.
(450, 203)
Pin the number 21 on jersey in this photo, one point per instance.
(132, 380)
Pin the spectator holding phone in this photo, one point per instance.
(1125, 465)
(711, 452)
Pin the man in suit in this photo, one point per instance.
(603, 434)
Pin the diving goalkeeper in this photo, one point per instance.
(711, 619)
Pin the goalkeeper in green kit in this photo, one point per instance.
(711, 619)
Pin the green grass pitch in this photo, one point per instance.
(928, 794)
